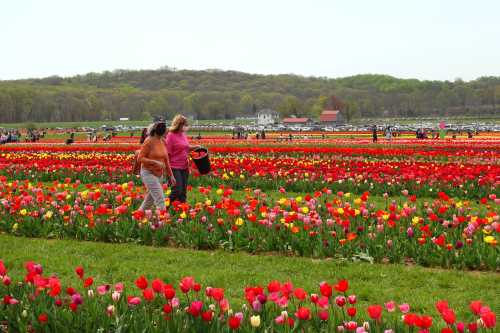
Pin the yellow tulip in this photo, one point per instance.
(255, 321)
(490, 240)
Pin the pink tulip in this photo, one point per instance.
(101, 290)
(134, 300)
(119, 287)
(390, 306)
(405, 308)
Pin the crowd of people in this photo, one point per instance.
(32, 135)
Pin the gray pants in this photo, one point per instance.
(154, 189)
(179, 190)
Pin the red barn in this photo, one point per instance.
(297, 121)
(331, 117)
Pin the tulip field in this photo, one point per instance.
(420, 205)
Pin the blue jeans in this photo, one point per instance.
(179, 190)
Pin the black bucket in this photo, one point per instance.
(202, 163)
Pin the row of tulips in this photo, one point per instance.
(472, 179)
(486, 147)
(41, 303)
(443, 232)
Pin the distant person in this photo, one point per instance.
(469, 134)
(178, 149)
(71, 138)
(155, 163)
(374, 134)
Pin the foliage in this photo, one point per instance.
(139, 95)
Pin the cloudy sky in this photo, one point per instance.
(424, 39)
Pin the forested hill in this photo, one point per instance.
(216, 94)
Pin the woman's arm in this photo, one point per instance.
(173, 182)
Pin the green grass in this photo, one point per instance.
(372, 283)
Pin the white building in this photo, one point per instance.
(267, 117)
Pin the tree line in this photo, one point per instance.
(216, 94)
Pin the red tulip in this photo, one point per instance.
(424, 322)
(448, 316)
(303, 313)
(43, 318)
(80, 272)
(157, 285)
(410, 319)
(323, 315)
(207, 316)
(489, 319)
(273, 286)
(472, 327)
(475, 307)
(234, 322)
(167, 308)
(3, 270)
(88, 282)
(325, 289)
(186, 284)
(342, 286)
(375, 312)
(141, 282)
(148, 294)
(441, 306)
(195, 308)
(168, 291)
(300, 294)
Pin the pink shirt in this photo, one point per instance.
(178, 150)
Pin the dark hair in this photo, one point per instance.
(144, 135)
(159, 129)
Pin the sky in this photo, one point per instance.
(423, 39)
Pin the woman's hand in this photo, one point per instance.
(173, 182)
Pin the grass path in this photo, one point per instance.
(376, 283)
